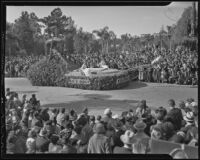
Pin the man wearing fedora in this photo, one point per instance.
(127, 138)
(141, 139)
(107, 116)
(99, 143)
(189, 119)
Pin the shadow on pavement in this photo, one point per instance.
(97, 102)
(135, 85)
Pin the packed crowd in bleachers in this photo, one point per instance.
(19, 65)
(179, 66)
(31, 128)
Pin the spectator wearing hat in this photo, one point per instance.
(54, 147)
(60, 117)
(194, 107)
(30, 142)
(142, 109)
(189, 119)
(42, 142)
(141, 139)
(182, 107)
(178, 153)
(189, 127)
(99, 143)
(127, 138)
(107, 116)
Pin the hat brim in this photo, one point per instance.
(188, 120)
(139, 128)
(127, 141)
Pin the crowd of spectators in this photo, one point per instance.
(18, 66)
(179, 66)
(33, 129)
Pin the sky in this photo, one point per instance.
(135, 20)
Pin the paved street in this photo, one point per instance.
(119, 100)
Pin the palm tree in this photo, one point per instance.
(103, 34)
(125, 40)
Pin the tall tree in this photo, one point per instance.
(60, 26)
(104, 35)
(27, 29)
(12, 41)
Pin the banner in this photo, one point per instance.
(159, 58)
(79, 81)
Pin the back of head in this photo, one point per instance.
(99, 128)
(63, 110)
(168, 130)
(171, 103)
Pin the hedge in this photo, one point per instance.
(47, 71)
(133, 73)
(96, 82)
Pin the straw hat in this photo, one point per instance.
(116, 116)
(189, 117)
(127, 137)
(139, 125)
(107, 111)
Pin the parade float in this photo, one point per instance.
(54, 70)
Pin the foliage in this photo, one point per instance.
(27, 29)
(58, 25)
(47, 71)
(99, 82)
(183, 26)
(82, 41)
(24, 35)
